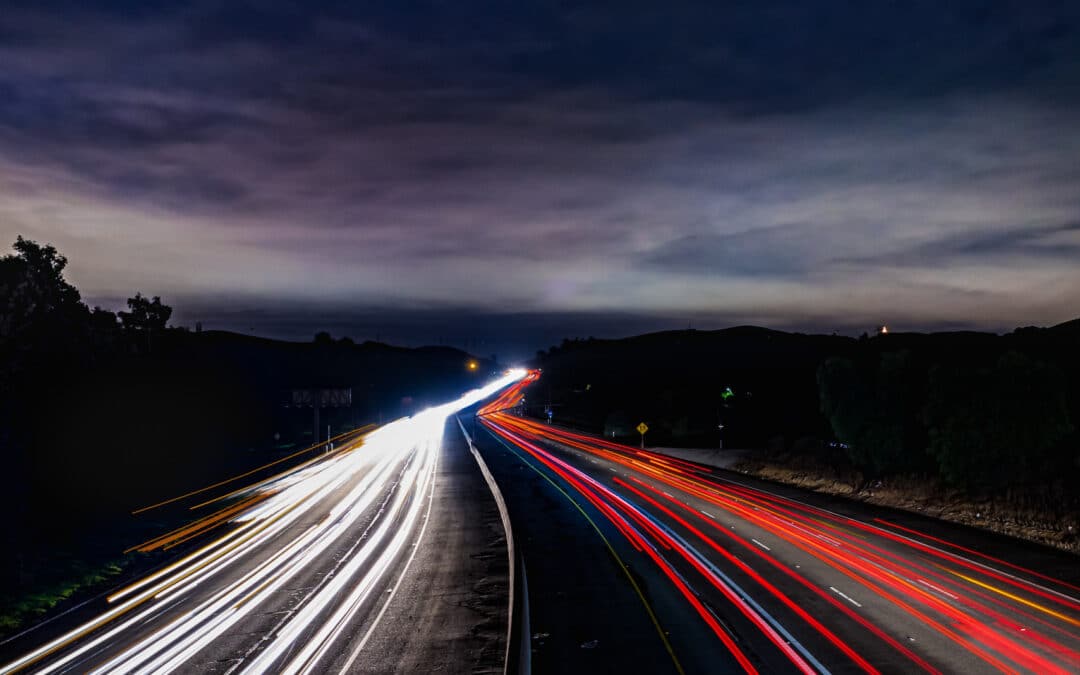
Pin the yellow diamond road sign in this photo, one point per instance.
(642, 428)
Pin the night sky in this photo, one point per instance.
(510, 173)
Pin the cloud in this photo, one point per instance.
(780, 162)
(776, 251)
(1050, 243)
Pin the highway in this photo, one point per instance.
(387, 555)
(639, 562)
(381, 555)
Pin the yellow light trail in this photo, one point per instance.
(252, 471)
(1015, 598)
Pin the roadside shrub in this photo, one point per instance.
(875, 411)
(991, 428)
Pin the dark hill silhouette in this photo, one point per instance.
(1068, 328)
(206, 403)
(899, 394)
(102, 412)
(134, 428)
(674, 380)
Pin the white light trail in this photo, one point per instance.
(394, 469)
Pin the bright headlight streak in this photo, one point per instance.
(391, 438)
(109, 615)
(256, 513)
(284, 516)
(333, 628)
(296, 492)
(133, 621)
(186, 560)
(88, 627)
(208, 622)
(304, 620)
(428, 424)
(267, 530)
(207, 618)
(217, 621)
(317, 646)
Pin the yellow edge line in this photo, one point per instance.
(1017, 598)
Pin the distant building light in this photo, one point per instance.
(884, 330)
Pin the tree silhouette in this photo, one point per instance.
(1003, 425)
(146, 316)
(876, 411)
(43, 323)
(33, 288)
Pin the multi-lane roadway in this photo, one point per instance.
(723, 574)
(389, 554)
(365, 558)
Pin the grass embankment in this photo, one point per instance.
(1045, 516)
(91, 563)
(66, 580)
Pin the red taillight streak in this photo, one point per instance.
(729, 593)
(906, 541)
(702, 611)
(977, 553)
(732, 597)
(847, 611)
(813, 549)
(705, 488)
(756, 496)
(901, 585)
(746, 569)
(764, 517)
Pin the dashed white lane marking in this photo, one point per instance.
(761, 545)
(818, 535)
(937, 588)
(709, 515)
(845, 596)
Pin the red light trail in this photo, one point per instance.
(1007, 617)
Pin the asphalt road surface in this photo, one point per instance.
(385, 555)
(639, 562)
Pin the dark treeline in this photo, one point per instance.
(758, 384)
(981, 412)
(103, 412)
